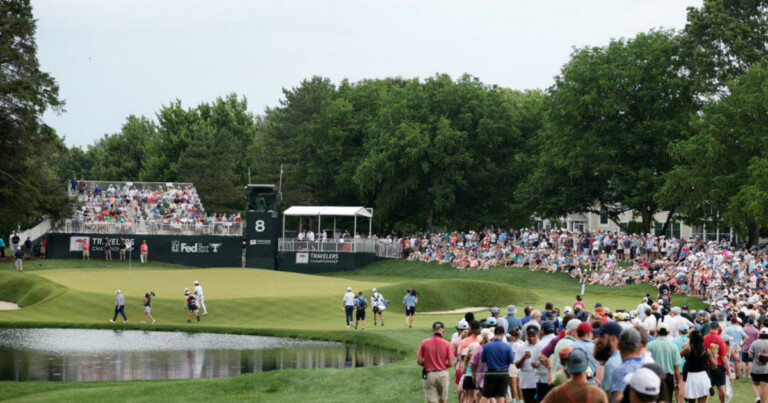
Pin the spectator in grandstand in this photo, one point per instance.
(18, 260)
(119, 306)
(144, 252)
(86, 245)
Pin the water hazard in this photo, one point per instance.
(105, 355)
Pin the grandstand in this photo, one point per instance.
(171, 219)
(145, 208)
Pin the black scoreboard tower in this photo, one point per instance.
(262, 226)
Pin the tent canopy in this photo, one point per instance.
(313, 211)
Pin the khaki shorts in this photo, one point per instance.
(436, 387)
(86, 253)
(514, 371)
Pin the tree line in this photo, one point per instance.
(667, 120)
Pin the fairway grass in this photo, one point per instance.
(217, 283)
(283, 304)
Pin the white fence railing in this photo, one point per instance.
(352, 245)
(151, 228)
(36, 232)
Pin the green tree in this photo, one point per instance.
(208, 163)
(174, 127)
(722, 169)
(29, 187)
(610, 117)
(120, 156)
(724, 38)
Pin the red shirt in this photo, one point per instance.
(714, 338)
(144, 247)
(436, 352)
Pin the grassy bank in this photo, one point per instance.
(305, 306)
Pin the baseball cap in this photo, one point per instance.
(118, 291)
(684, 328)
(438, 325)
(619, 316)
(644, 381)
(475, 324)
(568, 310)
(598, 304)
(495, 309)
(374, 290)
(548, 327)
(463, 325)
(714, 324)
(663, 326)
(577, 361)
(511, 310)
(685, 307)
(584, 327)
(186, 289)
(764, 330)
(197, 282)
(629, 339)
(532, 329)
(490, 322)
(573, 324)
(349, 288)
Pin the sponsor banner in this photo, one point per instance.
(76, 243)
(323, 258)
(302, 258)
(197, 247)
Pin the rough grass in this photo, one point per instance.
(317, 315)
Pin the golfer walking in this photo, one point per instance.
(361, 304)
(377, 301)
(349, 305)
(436, 356)
(119, 306)
(409, 306)
(199, 294)
(148, 308)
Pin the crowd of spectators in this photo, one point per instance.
(708, 270)
(125, 208)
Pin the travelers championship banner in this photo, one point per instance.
(321, 262)
(190, 250)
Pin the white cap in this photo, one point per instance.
(573, 324)
(764, 330)
(644, 381)
(664, 326)
(374, 290)
(186, 289)
(349, 288)
(197, 282)
(568, 310)
(463, 324)
(118, 291)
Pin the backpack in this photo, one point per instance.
(362, 305)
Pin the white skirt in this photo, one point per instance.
(697, 385)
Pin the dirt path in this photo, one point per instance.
(8, 306)
(462, 310)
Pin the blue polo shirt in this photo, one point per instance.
(409, 300)
(497, 355)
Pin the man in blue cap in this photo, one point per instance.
(607, 351)
(578, 389)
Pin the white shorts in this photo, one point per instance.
(147, 309)
(514, 371)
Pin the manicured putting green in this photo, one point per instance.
(217, 283)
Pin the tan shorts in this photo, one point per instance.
(436, 387)
(86, 253)
(514, 371)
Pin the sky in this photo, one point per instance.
(115, 58)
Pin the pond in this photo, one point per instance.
(106, 355)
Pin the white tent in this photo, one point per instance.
(334, 211)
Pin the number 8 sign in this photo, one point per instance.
(260, 226)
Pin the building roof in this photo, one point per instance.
(312, 211)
